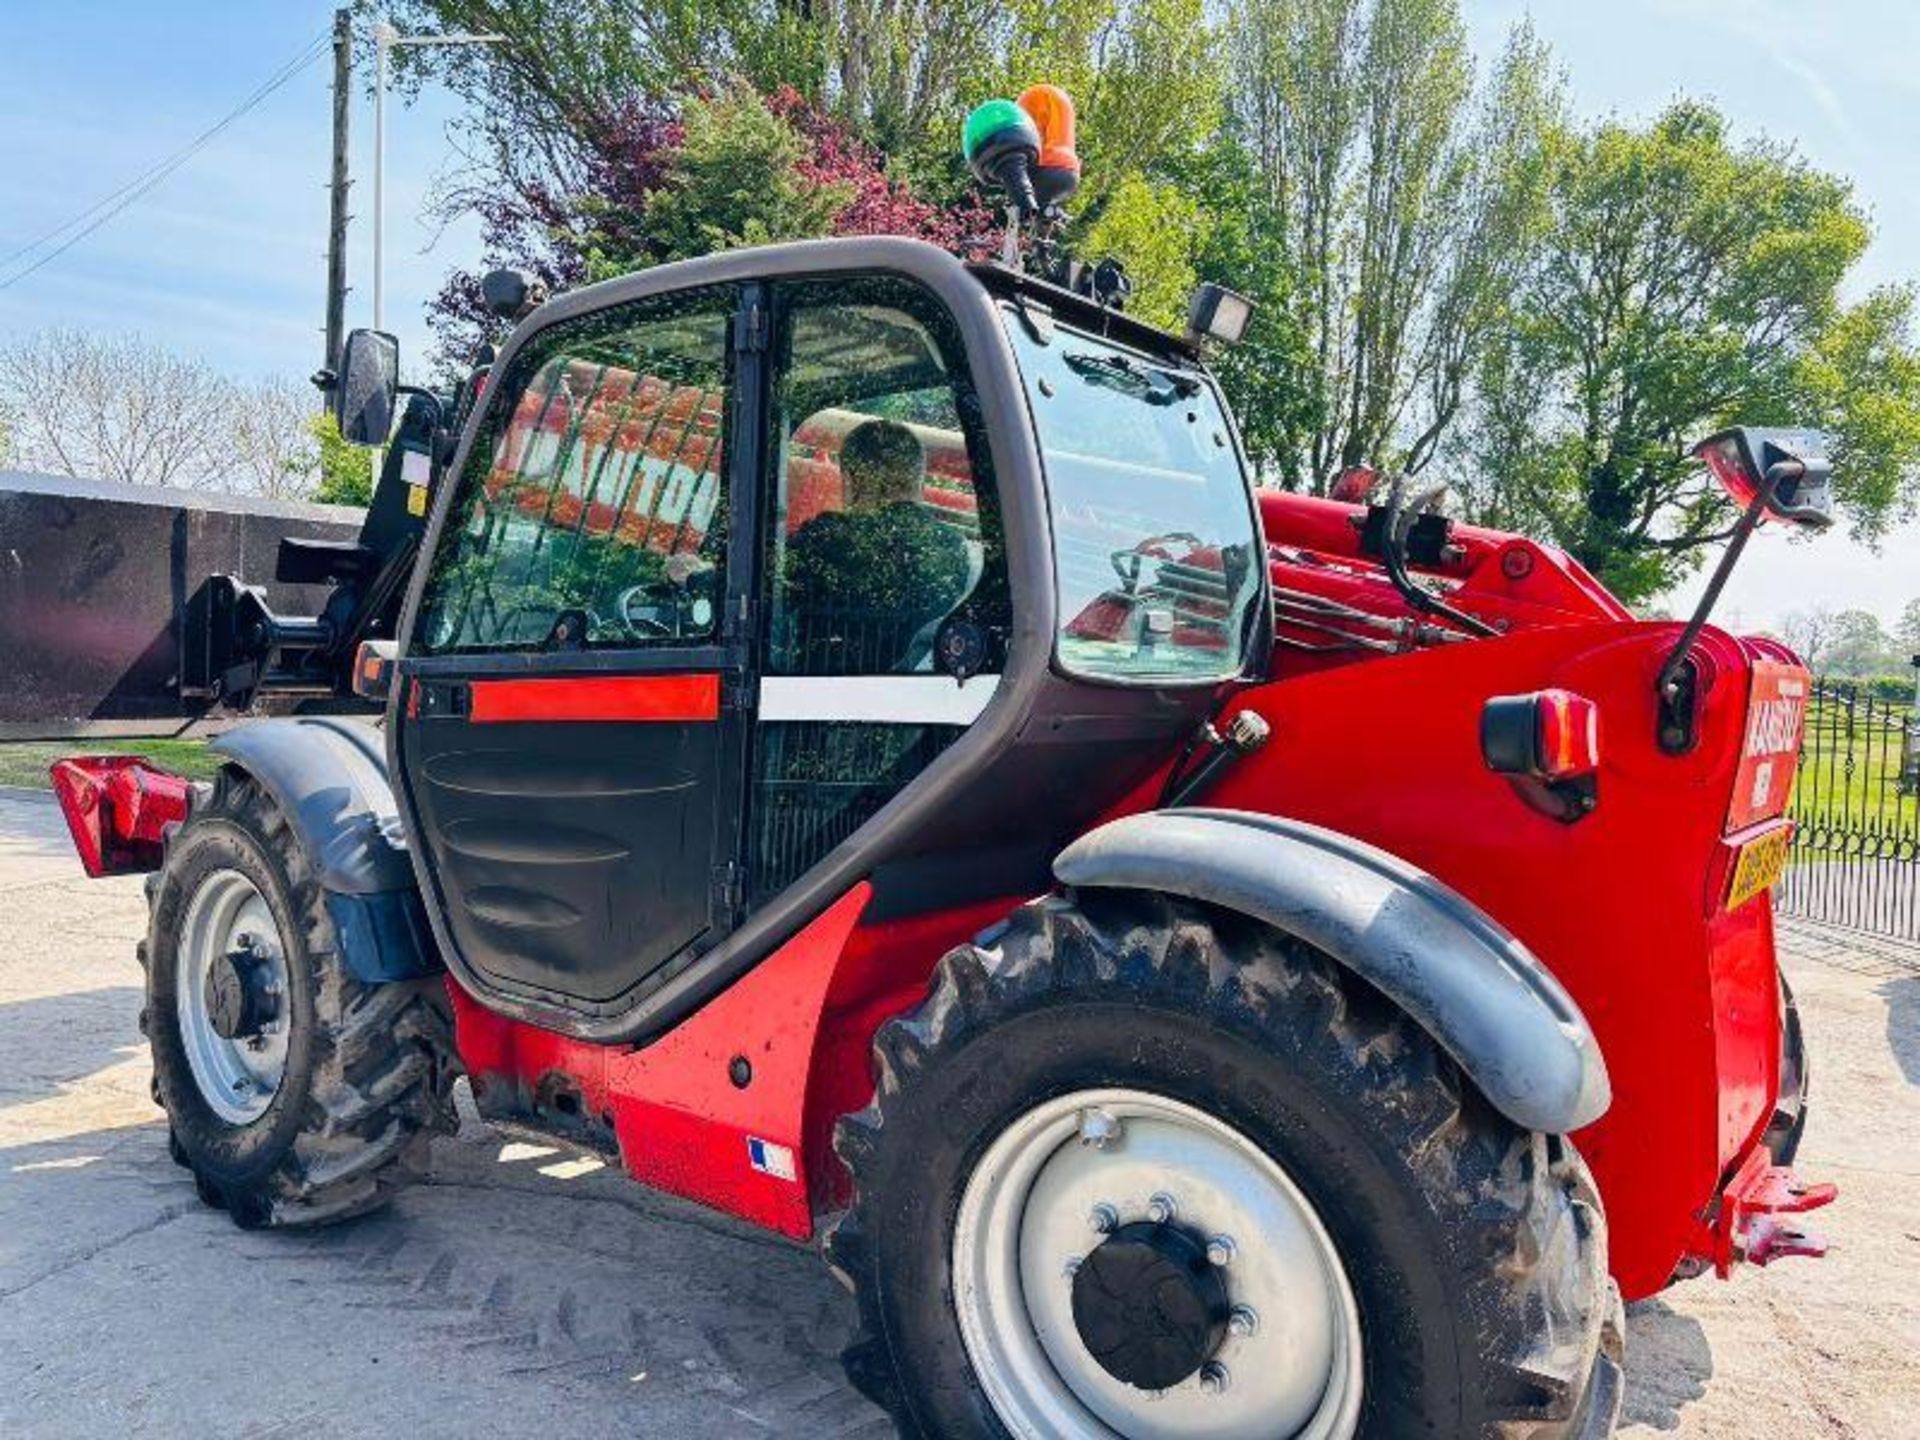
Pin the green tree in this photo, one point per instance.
(346, 470)
(1408, 207)
(1268, 376)
(1685, 283)
(1859, 646)
(736, 180)
(1154, 229)
(1906, 631)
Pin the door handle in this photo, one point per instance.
(444, 699)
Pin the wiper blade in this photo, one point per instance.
(1147, 382)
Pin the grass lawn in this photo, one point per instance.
(25, 762)
(1869, 798)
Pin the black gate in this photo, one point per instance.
(1856, 854)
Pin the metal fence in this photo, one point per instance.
(1856, 854)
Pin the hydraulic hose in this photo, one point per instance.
(1400, 520)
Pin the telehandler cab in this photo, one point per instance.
(857, 746)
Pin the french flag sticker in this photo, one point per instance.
(771, 1159)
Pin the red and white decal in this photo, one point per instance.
(1776, 714)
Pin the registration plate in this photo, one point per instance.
(1761, 862)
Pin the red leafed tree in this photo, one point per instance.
(880, 205)
(597, 222)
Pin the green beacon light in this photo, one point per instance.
(1001, 143)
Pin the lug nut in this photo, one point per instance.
(1243, 1321)
(1161, 1209)
(1097, 1128)
(1214, 1378)
(1104, 1218)
(1220, 1251)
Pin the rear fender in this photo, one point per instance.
(1475, 988)
(329, 777)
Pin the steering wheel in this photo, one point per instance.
(682, 591)
(647, 626)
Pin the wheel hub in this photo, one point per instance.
(231, 996)
(241, 997)
(1149, 1306)
(1080, 1256)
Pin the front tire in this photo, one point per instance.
(295, 1093)
(1433, 1269)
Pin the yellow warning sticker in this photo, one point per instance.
(416, 499)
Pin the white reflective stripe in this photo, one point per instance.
(876, 699)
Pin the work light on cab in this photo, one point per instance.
(1217, 313)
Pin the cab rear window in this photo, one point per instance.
(1157, 546)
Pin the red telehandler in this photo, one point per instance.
(846, 736)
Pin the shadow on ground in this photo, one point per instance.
(1671, 1363)
(518, 1282)
(1902, 995)
(31, 827)
(55, 1041)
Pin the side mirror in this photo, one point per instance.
(367, 389)
(1790, 468)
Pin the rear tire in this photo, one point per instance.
(324, 1111)
(1475, 1251)
(1789, 1121)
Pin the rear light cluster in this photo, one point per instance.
(1549, 735)
(118, 809)
(1548, 744)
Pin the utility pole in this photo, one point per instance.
(337, 187)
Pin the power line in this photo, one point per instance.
(103, 210)
(160, 170)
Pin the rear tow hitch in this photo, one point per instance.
(1754, 1221)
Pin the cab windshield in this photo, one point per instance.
(1158, 550)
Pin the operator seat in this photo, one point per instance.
(864, 584)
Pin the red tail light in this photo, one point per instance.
(1549, 735)
(118, 809)
(1569, 734)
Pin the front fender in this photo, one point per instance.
(1470, 984)
(329, 778)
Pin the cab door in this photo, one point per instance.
(570, 733)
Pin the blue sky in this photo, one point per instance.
(225, 259)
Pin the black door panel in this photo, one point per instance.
(579, 858)
(571, 776)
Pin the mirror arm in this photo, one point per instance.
(1673, 686)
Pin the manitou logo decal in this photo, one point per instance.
(1776, 713)
(1774, 726)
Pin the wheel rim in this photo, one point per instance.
(237, 1076)
(1028, 1214)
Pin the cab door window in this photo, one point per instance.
(883, 528)
(593, 509)
(882, 525)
